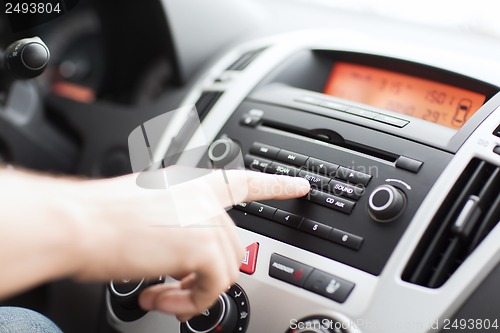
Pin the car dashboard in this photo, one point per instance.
(394, 123)
(400, 146)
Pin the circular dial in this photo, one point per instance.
(223, 153)
(124, 297)
(230, 313)
(386, 203)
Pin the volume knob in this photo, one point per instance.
(386, 203)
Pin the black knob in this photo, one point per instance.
(386, 203)
(126, 292)
(224, 153)
(220, 318)
(27, 58)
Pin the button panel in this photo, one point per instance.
(328, 285)
(311, 227)
(309, 278)
(288, 270)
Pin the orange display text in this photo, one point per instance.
(405, 94)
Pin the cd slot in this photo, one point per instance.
(331, 137)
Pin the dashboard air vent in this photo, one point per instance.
(206, 101)
(245, 60)
(469, 213)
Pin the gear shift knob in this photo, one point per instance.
(26, 58)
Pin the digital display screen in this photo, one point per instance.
(420, 98)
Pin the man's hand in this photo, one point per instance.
(183, 232)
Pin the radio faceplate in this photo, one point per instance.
(345, 164)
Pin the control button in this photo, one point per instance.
(391, 120)
(208, 319)
(287, 218)
(353, 176)
(328, 285)
(250, 121)
(346, 190)
(282, 169)
(319, 166)
(250, 261)
(346, 239)
(243, 206)
(264, 150)
(259, 209)
(291, 157)
(223, 151)
(308, 100)
(496, 132)
(315, 228)
(252, 118)
(362, 113)
(288, 270)
(315, 180)
(386, 203)
(125, 287)
(256, 163)
(221, 317)
(408, 164)
(331, 201)
(496, 150)
(334, 106)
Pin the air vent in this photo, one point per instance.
(206, 101)
(469, 213)
(245, 60)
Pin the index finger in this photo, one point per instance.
(235, 186)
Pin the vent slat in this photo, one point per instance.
(468, 214)
(245, 60)
(206, 101)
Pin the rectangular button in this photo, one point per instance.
(315, 228)
(282, 169)
(249, 263)
(346, 190)
(323, 167)
(265, 211)
(315, 180)
(328, 285)
(346, 239)
(292, 158)
(496, 132)
(353, 176)
(391, 120)
(257, 163)
(331, 201)
(243, 206)
(408, 164)
(264, 150)
(308, 100)
(288, 270)
(362, 113)
(287, 218)
(334, 106)
(496, 150)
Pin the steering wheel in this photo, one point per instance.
(44, 129)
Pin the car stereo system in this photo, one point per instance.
(381, 140)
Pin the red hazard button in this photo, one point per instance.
(250, 261)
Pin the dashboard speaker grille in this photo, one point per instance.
(469, 213)
(245, 60)
(206, 101)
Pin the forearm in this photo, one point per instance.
(39, 230)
